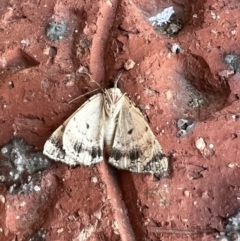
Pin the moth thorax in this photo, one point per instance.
(113, 99)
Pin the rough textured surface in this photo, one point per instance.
(186, 69)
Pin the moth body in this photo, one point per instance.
(113, 100)
(109, 132)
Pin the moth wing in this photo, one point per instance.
(135, 147)
(83, 135)
(54, 146)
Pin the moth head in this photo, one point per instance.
(113, 99)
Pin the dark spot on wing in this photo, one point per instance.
(135, 154)
(116, 154)
(153, 160)
(146, 128)
(96, 152)
(132, 155)
(99, 151)
(55, 141)
(155, 165)
(130, 131)
(58, 150)
(87, 125)
(77, 147)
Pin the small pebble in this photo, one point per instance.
(37, 188)
(174, 48)
(60, 230)
(200, 144)
(2, 199)
(94, 180)
(186, 193)
(4, 150)
(211, 146)
(129, 64)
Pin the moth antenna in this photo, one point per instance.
(84, 95)
(118, 77)
(91, 78)
(100, 87)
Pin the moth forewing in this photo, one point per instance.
(81, 140)
(83, 136)
(53, 147)
(135, 147)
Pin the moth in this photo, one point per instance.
(108, 121)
